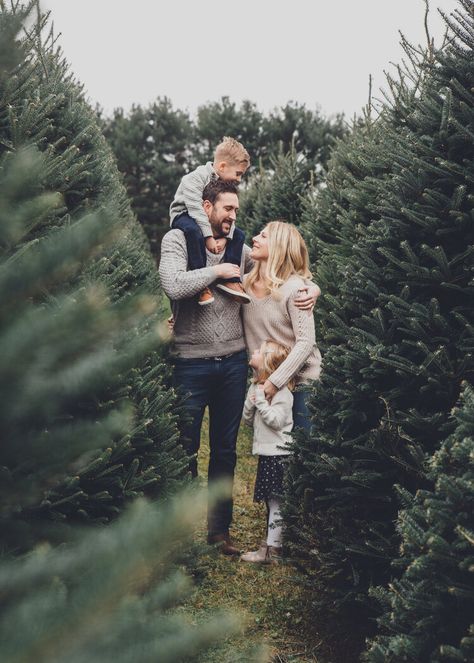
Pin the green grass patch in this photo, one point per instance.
(267, 598)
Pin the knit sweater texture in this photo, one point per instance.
(188, 198)
(199, 331)
(271, 421)
(276, 317)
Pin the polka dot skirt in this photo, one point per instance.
(269, 479)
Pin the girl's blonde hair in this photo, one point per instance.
(287, 256)
(273, 354)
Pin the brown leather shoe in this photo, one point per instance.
(235, 292)
(206, 297)
(224, 542)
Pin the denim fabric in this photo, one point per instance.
(233, 252)
(220, 384)
(301, 414)
(194, 240)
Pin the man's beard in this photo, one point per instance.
(221, 228)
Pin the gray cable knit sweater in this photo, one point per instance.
(200, 331)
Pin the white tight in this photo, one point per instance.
(274, 532)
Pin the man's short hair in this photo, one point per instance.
(213, 190)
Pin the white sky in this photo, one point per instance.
(316, 52)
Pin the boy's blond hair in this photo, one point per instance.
(232, 151)
(273, 354)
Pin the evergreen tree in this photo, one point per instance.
(105, 594)
(309, 133)
(42, 108)
(430, 609)
(276, 193)
(152, 147)
(396, 324)
(223, 118)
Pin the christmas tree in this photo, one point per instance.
(430, 609)
(47, 123)
(277, 192)
(78, 401)
(393, 243)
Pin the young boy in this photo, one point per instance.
(231, 160)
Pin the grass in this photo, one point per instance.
(266, 598)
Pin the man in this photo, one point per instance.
(210, 360)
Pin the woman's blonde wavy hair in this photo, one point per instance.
(287, 256)
(273, 354)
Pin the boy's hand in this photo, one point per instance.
(221, 244)
(211, 245)
(306, 299)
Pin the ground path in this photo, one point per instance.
(266, 597)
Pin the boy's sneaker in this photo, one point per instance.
(235, 291)
(206, 297)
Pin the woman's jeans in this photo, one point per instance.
(301, 415)
(219, 383)
(196, 246)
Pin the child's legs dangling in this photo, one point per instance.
(233, 252)
(194, 240)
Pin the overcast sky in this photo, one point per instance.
(316, 52)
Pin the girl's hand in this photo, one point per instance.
(306, 299)
(269, 390)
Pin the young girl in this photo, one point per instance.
(271, 422)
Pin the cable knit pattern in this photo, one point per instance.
(282, 321)
(199, 331)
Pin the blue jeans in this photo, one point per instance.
(197, 249)
(301, 412)
(219, 383)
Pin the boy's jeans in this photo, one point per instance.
(197, 248)
(219, 383)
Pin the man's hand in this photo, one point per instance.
(269, 390)
(307, 296)
(211, 245)
(221, 243)
(170, 324)
(226, 270)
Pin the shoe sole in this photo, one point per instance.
(209, 301)
(244, 299)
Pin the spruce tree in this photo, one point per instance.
(429, 614)
(104, 594)
(42, 108)
(276, 193)
(396, 326)
(152, 148)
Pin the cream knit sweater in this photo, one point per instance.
(271, 421)
(278, 318)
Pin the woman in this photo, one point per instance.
(279, 273)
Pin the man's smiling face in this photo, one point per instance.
(222, 213)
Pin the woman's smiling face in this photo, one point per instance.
(260, 246)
